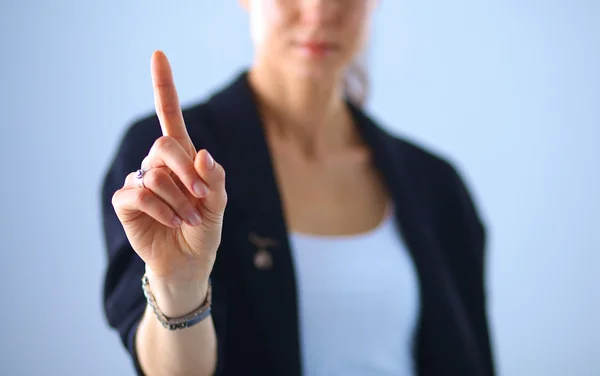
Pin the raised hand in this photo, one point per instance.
(172, 209)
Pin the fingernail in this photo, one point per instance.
(200, 189)
(195, 219)
(209, 162)
(177, 222)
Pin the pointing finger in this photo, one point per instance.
(167, 104)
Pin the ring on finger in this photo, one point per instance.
(139, 177)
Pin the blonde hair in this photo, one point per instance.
(356, 80)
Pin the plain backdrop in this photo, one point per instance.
(509, 90)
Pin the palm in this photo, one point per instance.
(166, 249)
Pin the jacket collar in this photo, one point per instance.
(444, 341)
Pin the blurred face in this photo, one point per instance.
(310, 38)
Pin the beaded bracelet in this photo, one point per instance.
(182, 322)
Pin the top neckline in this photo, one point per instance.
(383, 223)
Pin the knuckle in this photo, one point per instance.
(214, 213)
(169, 109)
(220, 173)
(145, 161)
(142, 198)
(164, 85)
(153, 178)
(224, 201)
(224, 197)
(213, 216)
(115, 199)
(164, 143)
(130, 180)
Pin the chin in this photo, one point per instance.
(317, 71)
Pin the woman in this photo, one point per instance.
(332, 248)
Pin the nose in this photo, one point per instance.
(319, 11)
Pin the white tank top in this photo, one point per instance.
(358, 300)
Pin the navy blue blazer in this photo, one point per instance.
(255, 310)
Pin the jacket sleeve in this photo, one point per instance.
(123, 299)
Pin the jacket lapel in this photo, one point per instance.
(444, 343)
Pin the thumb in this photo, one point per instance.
(213, 174)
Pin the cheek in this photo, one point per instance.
(356, 28)
(265, 19)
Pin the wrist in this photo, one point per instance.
(176, 298)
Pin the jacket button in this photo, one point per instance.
(263, 260)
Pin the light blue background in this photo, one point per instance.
(510, 90)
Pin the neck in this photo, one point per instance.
(312, 115)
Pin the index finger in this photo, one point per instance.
(166, 102)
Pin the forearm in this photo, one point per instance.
(190, 351)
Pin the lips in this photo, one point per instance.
(316, 44)
(316, 48)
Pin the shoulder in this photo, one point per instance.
(423, 161)
(429, 171)
(438, 177)
(434, 178)
(432, 171)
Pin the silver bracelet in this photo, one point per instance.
(182, 322)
